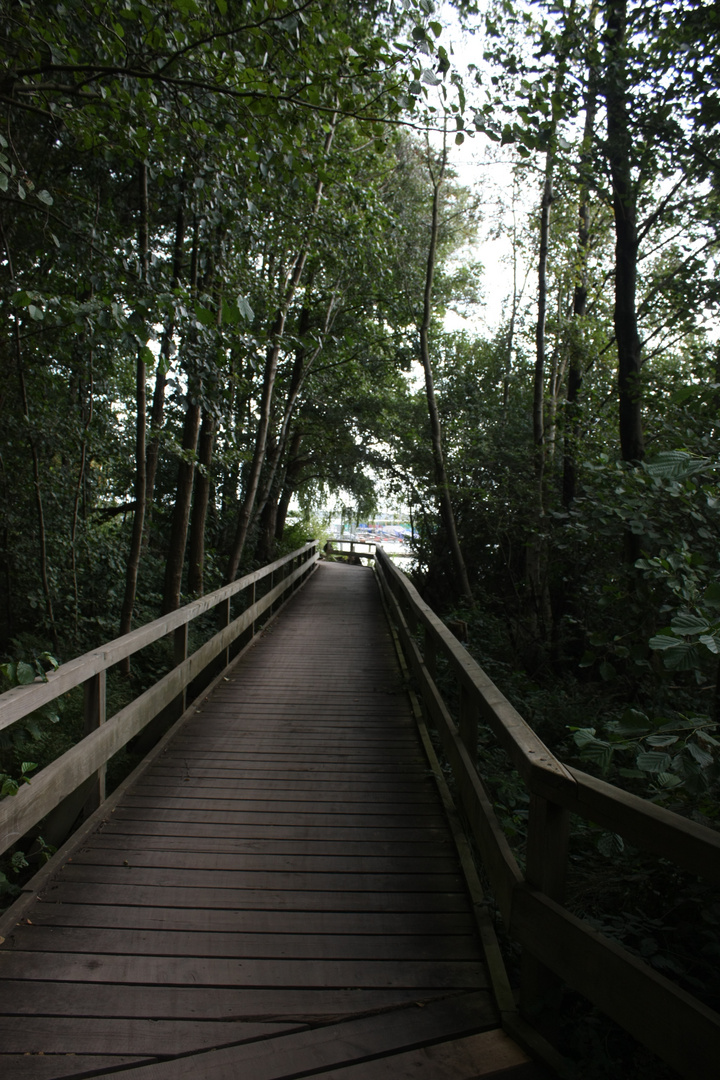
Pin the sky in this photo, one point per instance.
(487, 169)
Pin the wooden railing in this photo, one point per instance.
(78, 775)
(364, 548)
(672, 1023)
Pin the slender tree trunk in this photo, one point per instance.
(133, 563)
(265, 549)
(271, 364)
(441, 478)
(629, 346)
(575, 366)
(158, 403)
(293, 471)
(539, 379)
(181, 510)
(619, 143)
(511, 330)
(79, 487)
(196, 561)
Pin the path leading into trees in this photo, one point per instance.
(277, 896)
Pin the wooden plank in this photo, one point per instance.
(126, 1035)
(244, 899)
(427, 924)
(184, 787)
(273, 1004)
(211, 971)
(238, 818)
(242, 944)
(38, 1066)
(293, 864)
(316, 772)
(117, 841)
(318, 1050)
(186, 877)
(243, 805)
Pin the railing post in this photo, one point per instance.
(252, 601)
(545, 869)
(94, 712)
(223, 621)
(430, 654)
(180, 643)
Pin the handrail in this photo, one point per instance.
(670, 1022)
(86, 760)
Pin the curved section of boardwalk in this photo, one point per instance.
(277, 896)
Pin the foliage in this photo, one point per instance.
(27, 736)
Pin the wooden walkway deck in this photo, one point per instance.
(277, 896)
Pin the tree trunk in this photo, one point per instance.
(181, 510)
(133, 563)
(265, 549)
(619, 148)
(293, 471)
(441, 478)
(575, 366)
(158, 404)
(196, 561)
(539, 379)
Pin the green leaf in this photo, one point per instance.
(459, 138)
(244, 308)
(711, 642)
(701, 756)
(668, 780)
(686, 623)
(674, 465)
(610, 844)
(653, 762)
(24, 673)
(661, 740)
(684, 657)
(632, 722)
(204, 316)
(663, 641)
(35, 313)
(45, 197)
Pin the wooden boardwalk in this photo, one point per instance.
(277, 896)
